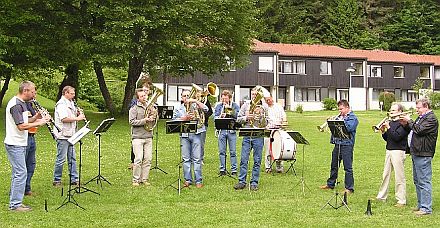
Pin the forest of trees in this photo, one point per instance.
(101, 47)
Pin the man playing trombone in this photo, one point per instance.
(227, 109)
(343, 149)
(395, 135)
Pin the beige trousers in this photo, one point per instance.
(394, 159)
(268, 158)
(143, 153)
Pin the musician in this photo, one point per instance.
(203, 134)
(66, 116)
(146, 87)
(422, 141)
(394, 133)
(31, 148)
(251, 143)
(142, 139)
(227, 136)
(276, 117)
(191, 142)
(343, 149)
(16, 140)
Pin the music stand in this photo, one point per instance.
(253, 132)
(180, 126)
(225, 124)
(164, 112)
(103, 127)
(299, 139)
(338, 130)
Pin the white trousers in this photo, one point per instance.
(394, 159)
(143, 152)
(268, 159)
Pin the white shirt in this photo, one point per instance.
(276, 115)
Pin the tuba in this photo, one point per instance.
(151, 111)
(199, 115)
(211, 90)
(257, 110)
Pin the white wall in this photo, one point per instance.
(308, 106)
(357, 98)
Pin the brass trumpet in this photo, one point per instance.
(324, 126)
(390, 117)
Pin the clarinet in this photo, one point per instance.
(45, 113)
(79, 110)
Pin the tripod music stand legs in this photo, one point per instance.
(302, 181)
(99, 177)
(157, 138)
(81, 189)
(337, 195)
(69, 198)
(179, 178)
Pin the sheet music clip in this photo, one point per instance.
(181, 126)
(79, 134)
(253, 132)
(226, 124)
(338, 129)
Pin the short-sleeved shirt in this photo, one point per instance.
(63, 109)
(16, 114)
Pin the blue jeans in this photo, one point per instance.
(202, 144)
(346, 155)
(65, 148)
(227, 137)
(422, 173)
(191, 154)
(30, 161)
(257, 145)
(16, 156)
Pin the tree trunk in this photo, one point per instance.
(8, 73)
(135, 67)
(104, 90)
(71, 79)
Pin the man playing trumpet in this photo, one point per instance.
(227, 109)
(395, 134)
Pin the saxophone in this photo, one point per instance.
(151, 111)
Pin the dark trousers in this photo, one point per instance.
(344, 153)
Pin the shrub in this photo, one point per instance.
(299, 108)
(434, 97)
(330, 104)
(387, 98)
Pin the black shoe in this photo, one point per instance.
(254, 187)
(222, 173)
(239, 186)
(234, 173)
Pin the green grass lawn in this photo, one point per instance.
(278, 202)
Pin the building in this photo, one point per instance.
(300, 74)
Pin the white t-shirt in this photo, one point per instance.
(16, 113)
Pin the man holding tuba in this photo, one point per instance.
(191, 143)
(141, 138)
(395, 134)
(251, 114)
(227, 109)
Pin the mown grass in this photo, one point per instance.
(278, 203)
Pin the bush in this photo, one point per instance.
(299, 108)
(387, 98)
(330, 104)
(434, 97)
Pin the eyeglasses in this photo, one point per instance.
(185, 95)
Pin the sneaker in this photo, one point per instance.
(57, 184)
(130, 166)
(280, 170)
(325, 187)
(421, 213)
(222, 173)
(22, 208)
(254, 188)
(268, 170)
(239, 186)
(146, 183)
(135, 184)
(414, 209)
(186, 184)
(234, 173)
(200, 185)
(399, 205)
(348, 191)
(28, 193)
(75, 183)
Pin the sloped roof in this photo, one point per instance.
(328, 51)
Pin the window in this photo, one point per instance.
(231, 64)
(424, 72)
(307, 94)
(172, 93)
(325, 68)
(437, 73)
(374, 71)
(265, 64)
(409, 95)
(375, 94)
(359, 69)
(343, 94)
(399, 72)
(245, 94)
(292, 67)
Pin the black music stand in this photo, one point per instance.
(299, 139)
(253, 132)
(103, 127)
(226, 124)
(164, 112)
(180, 126)
(73, 140)
(338, 130)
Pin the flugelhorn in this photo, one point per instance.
(324, 126)
(151, 111)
